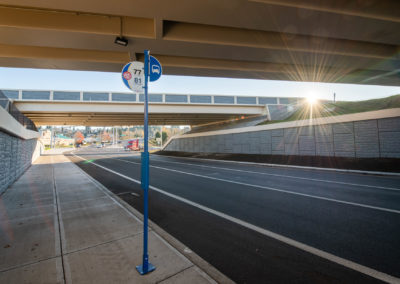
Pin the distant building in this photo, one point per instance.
(59, 139)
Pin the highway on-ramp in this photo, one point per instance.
(260, 224)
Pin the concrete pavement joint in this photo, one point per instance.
(29, 263)
(60, 234)
(169, 277)
(30, 217)
(328, 256)
(93, 207)
(104, 243)
(84, 199)
(279, 190)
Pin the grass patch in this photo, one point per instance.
(326, 109)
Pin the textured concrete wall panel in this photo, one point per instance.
(343, 128)
(389, 124)
(237, 148)
(277, 132)
(324, 134)
(265, 137)
(292, 149)
(307, 143)
(291, 135)
(278, 144)
(220, 139)
(245, 149)
(344, 142)
(228, 140)
(366, 139)
(363, 139)
(306, 153)
(306, 131)
(390, 142)
(345, 154)
(266, 148)
(367, 150)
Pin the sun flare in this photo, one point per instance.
(311, 98)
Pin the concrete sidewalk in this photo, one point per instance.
(59, 226)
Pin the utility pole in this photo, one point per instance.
(51, 137)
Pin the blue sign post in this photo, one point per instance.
(152, 70)
(136, 77)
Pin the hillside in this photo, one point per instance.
(324, 109)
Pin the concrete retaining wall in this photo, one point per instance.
(19, 147)
(15, 157)
(355, 136)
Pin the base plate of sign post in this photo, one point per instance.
(150, 268)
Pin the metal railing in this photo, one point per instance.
(19, 116)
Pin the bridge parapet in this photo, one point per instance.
(76, 96)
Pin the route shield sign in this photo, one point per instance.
(133, 76)
(155, 69)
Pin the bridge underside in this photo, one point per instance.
(346, 41)
(113, 114)
(119, 119)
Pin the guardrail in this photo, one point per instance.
(47, 95)
(11, 109)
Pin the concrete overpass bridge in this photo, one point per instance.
(341, 41)
(48, 107)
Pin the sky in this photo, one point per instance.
(42, 79)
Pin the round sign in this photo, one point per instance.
(133, 76)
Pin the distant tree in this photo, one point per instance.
(78, 136)
(158, 135)
(164, 136)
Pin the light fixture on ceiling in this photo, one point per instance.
(121, 41)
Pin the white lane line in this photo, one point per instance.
(325, 255)
(295, 167)
(285, 176)
(276, 189)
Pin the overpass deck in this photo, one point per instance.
(110, 108)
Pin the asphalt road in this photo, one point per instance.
(261, 224)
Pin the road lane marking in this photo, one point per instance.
(276, 189)
(295, 167)
(323, 254)
(286, 176)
